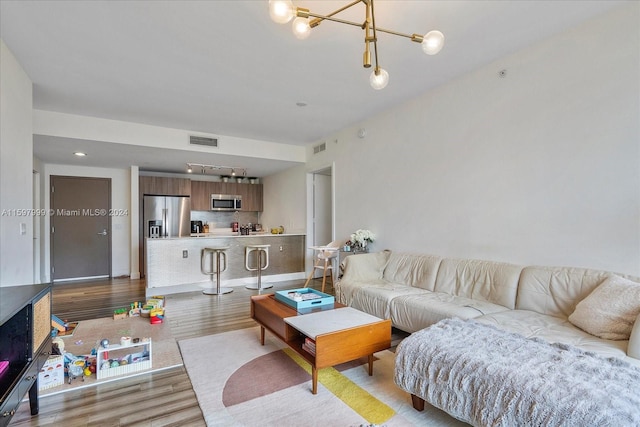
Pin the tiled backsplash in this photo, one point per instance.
(224, 219)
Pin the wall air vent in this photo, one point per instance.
(320, 147)
(201, 140)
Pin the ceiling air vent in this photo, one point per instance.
(201, 140)
(320, 147)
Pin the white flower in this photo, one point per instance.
(362, 237)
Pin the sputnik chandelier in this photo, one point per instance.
(233, 170)
(283, 11)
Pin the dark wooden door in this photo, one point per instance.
(80, 227)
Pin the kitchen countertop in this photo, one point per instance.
(237, 234)
(225, 235)
(175, 264)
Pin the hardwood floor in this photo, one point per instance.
(158, 399)
(75, 301)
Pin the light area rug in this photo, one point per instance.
(164, 350)
(238, 382)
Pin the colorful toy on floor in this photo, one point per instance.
(75, 368)
(156, 316)
(135, 309)
(120, 313)
(58, 324)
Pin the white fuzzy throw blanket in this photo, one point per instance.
(488, 377)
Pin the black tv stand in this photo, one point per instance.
(25, 342)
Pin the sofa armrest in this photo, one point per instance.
(634, 340)
(365, 267)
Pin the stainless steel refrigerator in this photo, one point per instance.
(165, 216)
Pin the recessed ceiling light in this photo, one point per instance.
(80, 154)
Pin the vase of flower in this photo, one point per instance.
(356, 248)
(359, 240)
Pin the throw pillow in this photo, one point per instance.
(609, 311)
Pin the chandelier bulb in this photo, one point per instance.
(433, 42)
(379, 78)
(301, 28)
(281, 11)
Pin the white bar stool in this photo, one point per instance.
(262, 255)
(216, 255)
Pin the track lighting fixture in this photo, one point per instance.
(233, 170)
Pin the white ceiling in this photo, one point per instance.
(224, 68)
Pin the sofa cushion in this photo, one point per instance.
(414, 270)
(375, 297)
(494, 282)
(556, 329)
(414, 312)
(556, 290)
(345, 291)
(610, 310)
(359, 271)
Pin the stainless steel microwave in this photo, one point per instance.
(226, 202)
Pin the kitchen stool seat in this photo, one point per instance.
(262, 263)
(218, 263)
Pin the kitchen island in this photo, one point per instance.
(173, 264)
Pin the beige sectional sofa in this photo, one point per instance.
(417, 290)
(498, 344)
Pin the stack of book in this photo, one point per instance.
(309, 346)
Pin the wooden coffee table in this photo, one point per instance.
(341, 333)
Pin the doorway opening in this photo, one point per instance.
(321, 211)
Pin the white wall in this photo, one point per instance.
(540, 167)
(16, 151)
(120, 225)
(284, 197)
(97, 129)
